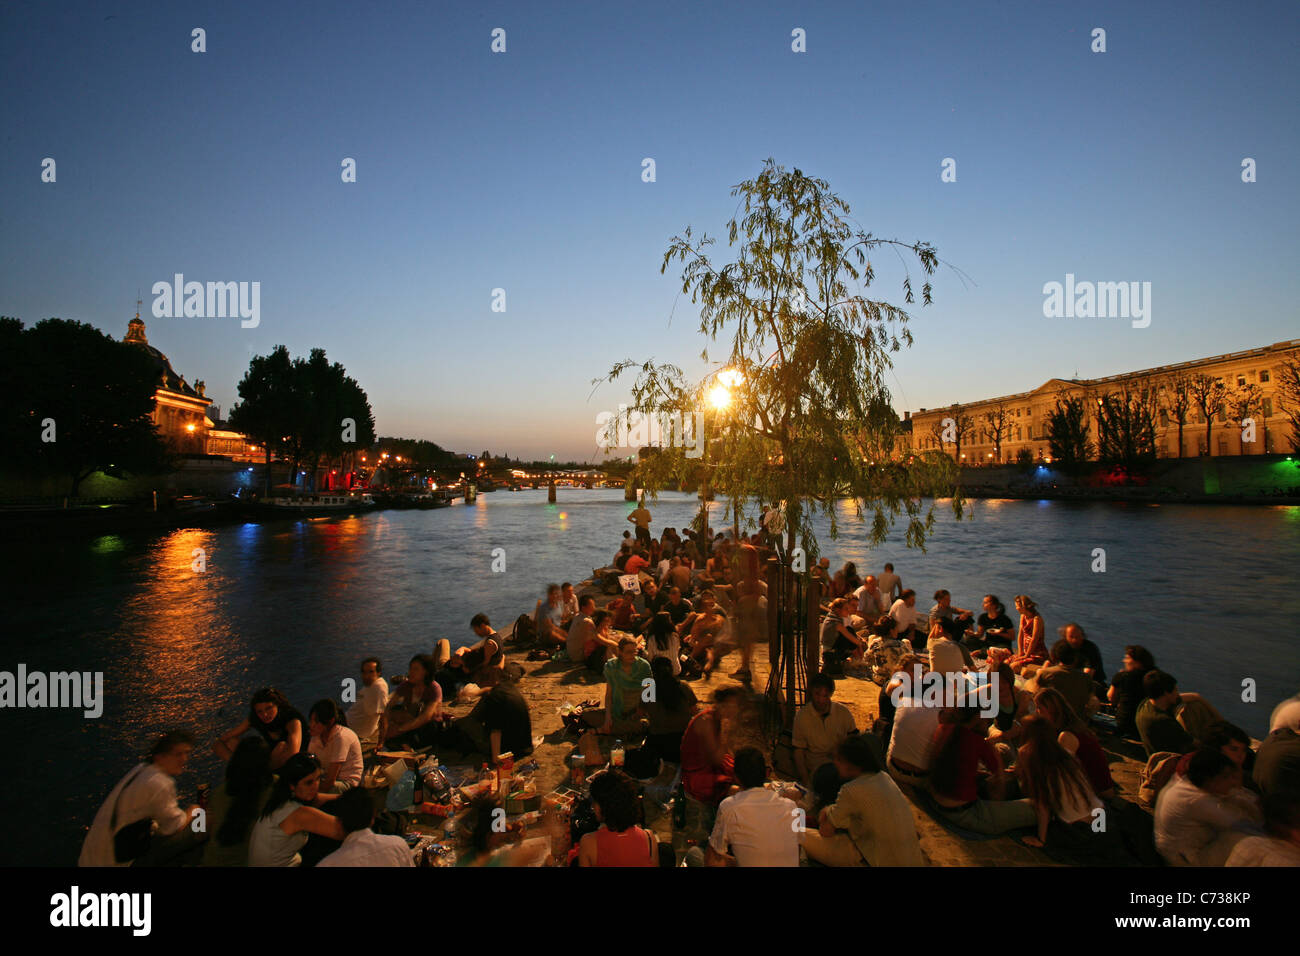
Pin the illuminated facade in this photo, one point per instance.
(180, 410)
(1026, 424)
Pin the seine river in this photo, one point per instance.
(1210, 590)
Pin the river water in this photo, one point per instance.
(297, 604)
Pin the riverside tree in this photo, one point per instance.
(1126, 427)
(1209, 395)
(1288, 395)
(1067, 432)
(798, 411)
(96, 393)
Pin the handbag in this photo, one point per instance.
(132, 841)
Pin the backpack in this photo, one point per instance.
(525, 629)
(1158, 772)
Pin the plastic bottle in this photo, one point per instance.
(616, 754)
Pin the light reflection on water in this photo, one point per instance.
(298, 604)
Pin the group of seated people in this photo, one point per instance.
(288, 778)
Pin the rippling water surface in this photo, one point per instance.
(1210, 590)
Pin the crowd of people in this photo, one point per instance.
(1031, 762)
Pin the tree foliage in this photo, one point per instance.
(1126, 425)
(809, 410)
(1068, 432)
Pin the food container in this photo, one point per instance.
(522, 802)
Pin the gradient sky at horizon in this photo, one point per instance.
(523, 171)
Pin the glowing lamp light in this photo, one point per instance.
(189, 428)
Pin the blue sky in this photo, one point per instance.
(522, 171)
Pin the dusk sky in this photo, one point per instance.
(522, 171)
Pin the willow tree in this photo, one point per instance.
(800, 412)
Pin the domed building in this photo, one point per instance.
(180, 410)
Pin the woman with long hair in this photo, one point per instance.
(235, 804)
(1031, 645)
(1056, 785)
(851, 580)
(275, 721)
(1076, 737)
(291, 814)
(673, 706)
(414, 714)
(663, 643)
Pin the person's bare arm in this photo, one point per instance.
(824, 825)
(713, 858)
(313, 821)
(225, 745)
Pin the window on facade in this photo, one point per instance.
(1268, 407)
(1031, 432)
(1241, 380)
(1263, 376)
(1164, 416)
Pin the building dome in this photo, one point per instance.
(166, 375)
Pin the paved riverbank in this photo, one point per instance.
(547, 686)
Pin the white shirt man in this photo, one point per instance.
(758, 827)
(871, 602)
(338, 745)
(367, 848)
(914, 727)
(371, 702)
(1198, 827)
(904, 614)
(147, 792)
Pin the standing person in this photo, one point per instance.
(619, 841)
(275, 721)
(820, 726)
(641, 518)
(890, 584)
(1031, 647)
(292, 813)
(756, 826)
(237, 802)
(751, 620)
(773, 525)
(147, 793)
(904, 613)
(707, 769)
(870, 821)
(871, 602)
(361, 845)
(336, 747)
(1126, 691)
(372, 700)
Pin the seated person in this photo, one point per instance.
(1202, 816)
(1233, 743)
(954, 620)
(1168, 720)
(870, 602)
(638, 563)
(1031, 648)
(1126, 691)
(499, 723)
(1064, 671)
(619, 841)
(1089, 655)
(653, 600)
(1277, 765)
(707, 769)
(1280, 844)
(275, 721)
(870, 821)
(602, 645)
(336, 747)
(581, 630)
(147, 792)
(679, 574)
(1058, 789)
(662, 641)
(548, 617)
(625, 684)
(414, 715)
(958, 751)
(840, 642)
(570, 601)
(755, 826)
(702, 629)
(668, 712)
(361, 845)
(884, 725)
(626, 614)
(235, 804)
(480, 663)
(992, 627)
(372, 700)
(1013, 705)
(946, 655)
(905, 616)
(1077, 738)
(677, 607)
(911, 742)
(291, 814)
(820, 726)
